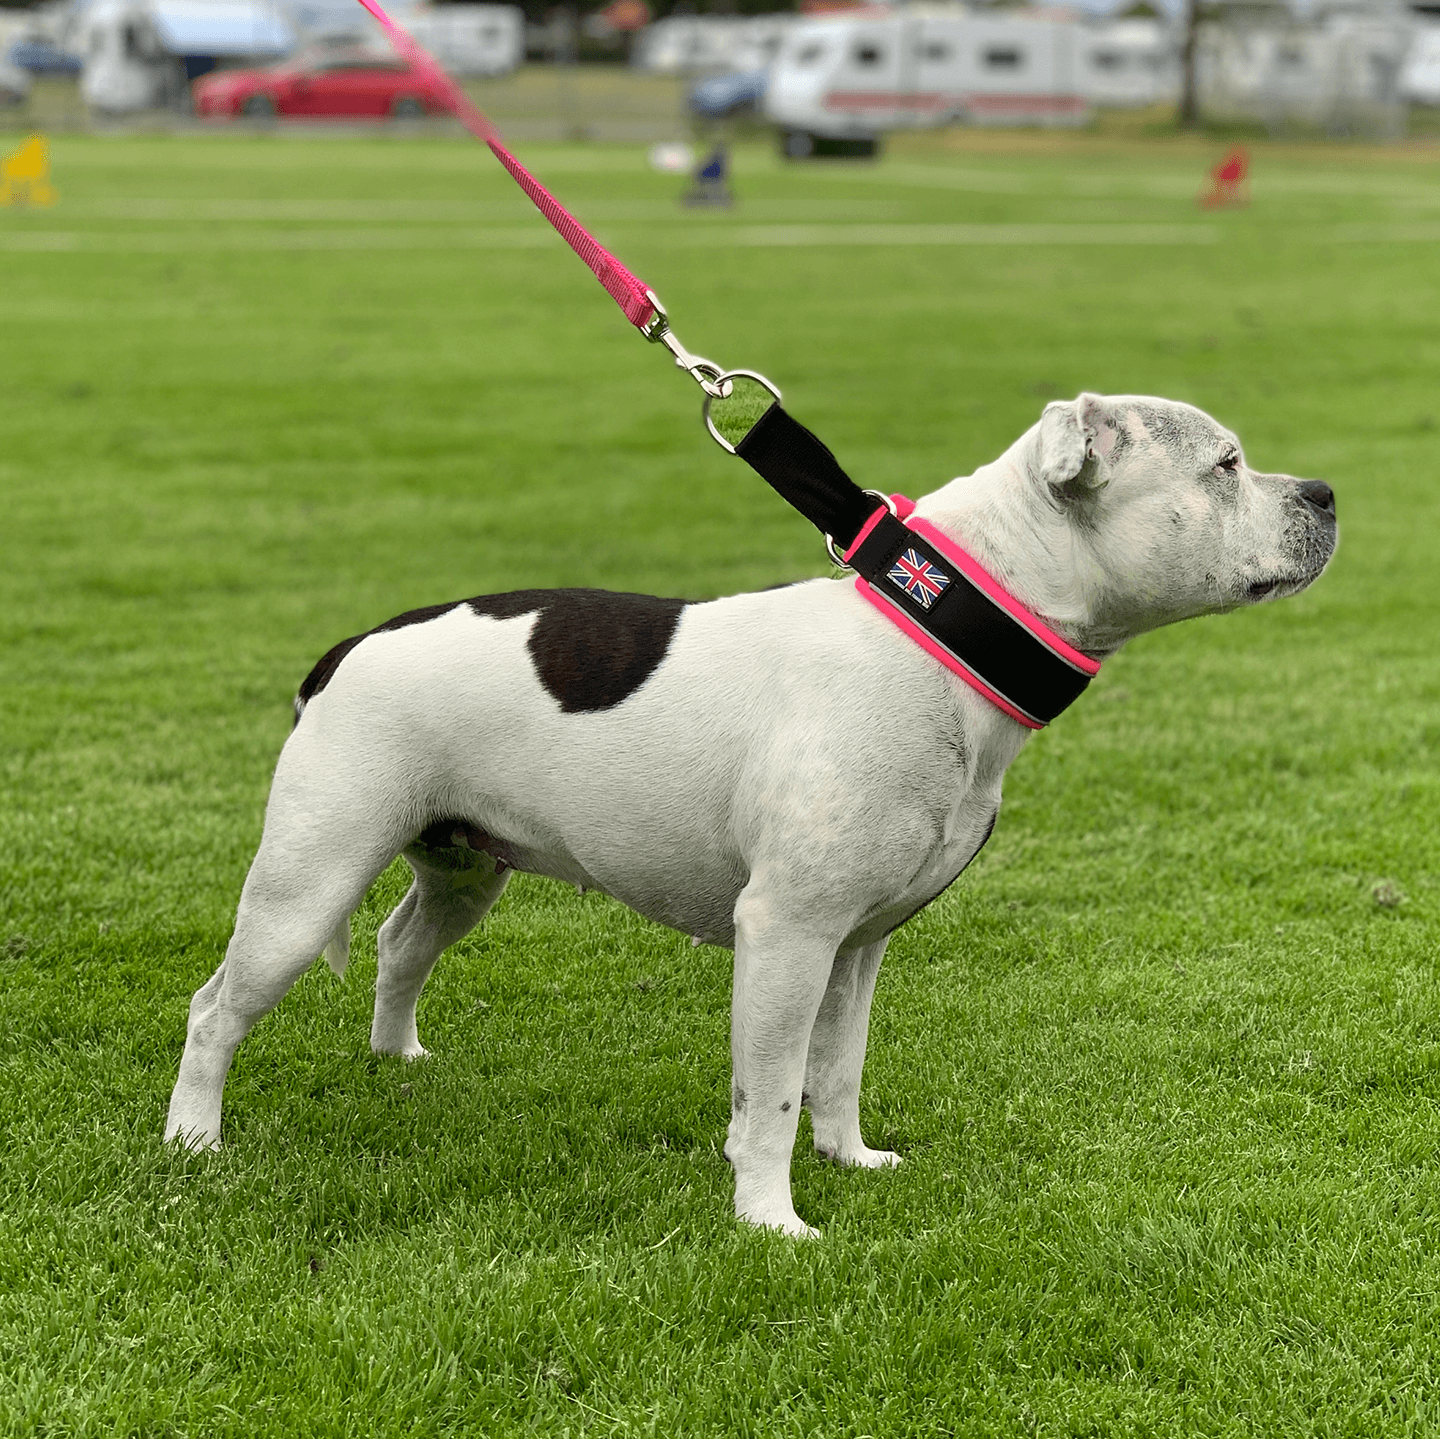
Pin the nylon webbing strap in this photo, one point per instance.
(961, 618)
(801, 469)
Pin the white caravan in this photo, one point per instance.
(1130, 63)
(1420, 74)
(141, 54)
(1342, 76)
(136, 53)
(465, 39)
(853, 75)
(14, 82)
(342, 22)
(697, 44)
(470, 39)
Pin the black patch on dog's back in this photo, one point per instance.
(591, 648)
(513, 603)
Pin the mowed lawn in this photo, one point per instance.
(1164, 1065)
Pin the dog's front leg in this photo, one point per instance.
(837, 1057)
(781, 969)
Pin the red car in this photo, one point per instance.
(340, 85)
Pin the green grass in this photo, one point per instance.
(1165, 1072)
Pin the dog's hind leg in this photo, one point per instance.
(837, 1056)
(318, 856)
(452, 891)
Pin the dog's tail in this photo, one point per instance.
(337, 951)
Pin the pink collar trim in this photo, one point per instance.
(983, 580)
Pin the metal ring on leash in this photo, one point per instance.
(835, 555)
(724, 387)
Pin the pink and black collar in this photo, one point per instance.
(924, 583)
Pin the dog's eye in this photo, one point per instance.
(1228, 464)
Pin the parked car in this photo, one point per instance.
(339, 85)
(42, 56)
(737, 93)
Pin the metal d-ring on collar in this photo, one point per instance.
(726, 383)
(835, 555)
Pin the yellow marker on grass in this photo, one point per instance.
(25, 175)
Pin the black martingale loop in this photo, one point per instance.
(801, 469)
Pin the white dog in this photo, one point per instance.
(784, 773)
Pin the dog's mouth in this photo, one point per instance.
(1308, 566)
(1262, 589)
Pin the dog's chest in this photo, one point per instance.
(956, 846)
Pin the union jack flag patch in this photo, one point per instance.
(921, 580)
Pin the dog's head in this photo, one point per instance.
(1133, 512)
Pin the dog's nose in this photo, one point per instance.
(1318, 494)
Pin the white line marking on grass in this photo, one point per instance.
(112, 242)
(536, 236)
(136, 208)
(504, 208)
(956, 177)
(246, 153)
(1174, 184)
(1386, 234)
(516, 238)
(764, 236)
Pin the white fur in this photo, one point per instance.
(793, 781)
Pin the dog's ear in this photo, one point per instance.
(1077, 438)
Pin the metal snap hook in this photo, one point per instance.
(705, 373)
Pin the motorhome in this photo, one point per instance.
(852, 75)
(471, 39)
(1130, 63)
(706, 44)
(139, 54)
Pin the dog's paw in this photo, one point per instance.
(789, 1224)
(195, 1141)
(408, 1052)
(860, 1157)
(876, 1159)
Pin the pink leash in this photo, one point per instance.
(628, 291)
